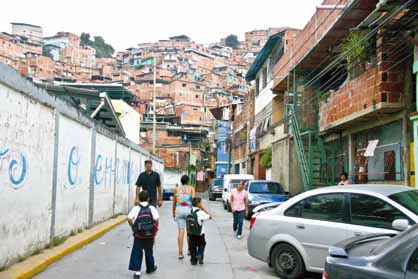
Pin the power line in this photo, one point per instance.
(395, 54)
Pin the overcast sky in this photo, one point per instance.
(125, 23)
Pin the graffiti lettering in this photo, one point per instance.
(17, 167)
(122, 171)
(14, 167)
(98, 171)
(73, 167)
(103, 175)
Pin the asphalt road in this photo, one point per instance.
(107, 258)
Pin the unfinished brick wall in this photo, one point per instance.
(381, 84)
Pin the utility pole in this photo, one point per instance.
(154, 122)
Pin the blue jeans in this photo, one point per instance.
(238, 221)
(140, 246)
(197, 246)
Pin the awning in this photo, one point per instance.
(93, 103)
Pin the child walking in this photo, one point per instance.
(196, 231)
(143, 220)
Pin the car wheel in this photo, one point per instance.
(287, 262)
(224, 205)
(229, 207)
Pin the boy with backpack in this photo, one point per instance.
(196, 231)
(143, 220)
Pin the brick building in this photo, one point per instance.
(33, 33)
(346, 113)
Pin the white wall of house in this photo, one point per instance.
(129, 118)
(265, 95)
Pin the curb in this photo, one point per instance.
(36, 264)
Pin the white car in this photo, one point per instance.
(295, 236)
(230, 182)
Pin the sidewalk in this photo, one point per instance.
(36, 264)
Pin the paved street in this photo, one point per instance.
(108, 256)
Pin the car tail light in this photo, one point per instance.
(252, 221)
(325, 275)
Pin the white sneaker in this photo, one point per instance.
(137, 275)
(238, 236)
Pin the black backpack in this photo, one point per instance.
(193, 227)
(144, 225)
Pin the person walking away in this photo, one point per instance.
(143, 220)
(344, 179)
(196, 231)
(149, 180)
(239, 206)
(182, 204)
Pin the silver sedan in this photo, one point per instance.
(295, 237)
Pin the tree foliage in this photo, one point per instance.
(232, 41)
(102, 48)
(265, 160)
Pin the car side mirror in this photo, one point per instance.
(287, 193)
(225, 189)
(400, 224)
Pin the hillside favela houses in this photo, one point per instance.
(118, 88)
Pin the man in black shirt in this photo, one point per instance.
(149, 180)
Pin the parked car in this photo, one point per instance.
(262, 192)
(230, 182)
(382, 256)
(168, 194)
(215, 189)
(266, 207)
(295, 236)
(168, 191)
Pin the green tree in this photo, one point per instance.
(232, 41)
(99, 44)
(85, 39)
(265, 160)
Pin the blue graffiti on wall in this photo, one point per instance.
(123, 171)
(17, 169)
(73, 167)
(135, 170)
(98, 171)
(103, 174)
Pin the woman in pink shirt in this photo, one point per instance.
(239, 206)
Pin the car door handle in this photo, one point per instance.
(300, 227)
(358, 234)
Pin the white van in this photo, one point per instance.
(230, 182)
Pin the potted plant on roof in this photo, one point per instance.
(354, 51)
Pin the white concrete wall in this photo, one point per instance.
(104, 178)
(58, 171)
(122, 176)
(26, 158)
(73, 177)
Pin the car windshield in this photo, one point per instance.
(266, 188)
(234, 182)
(217, 183)
(408, 199)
